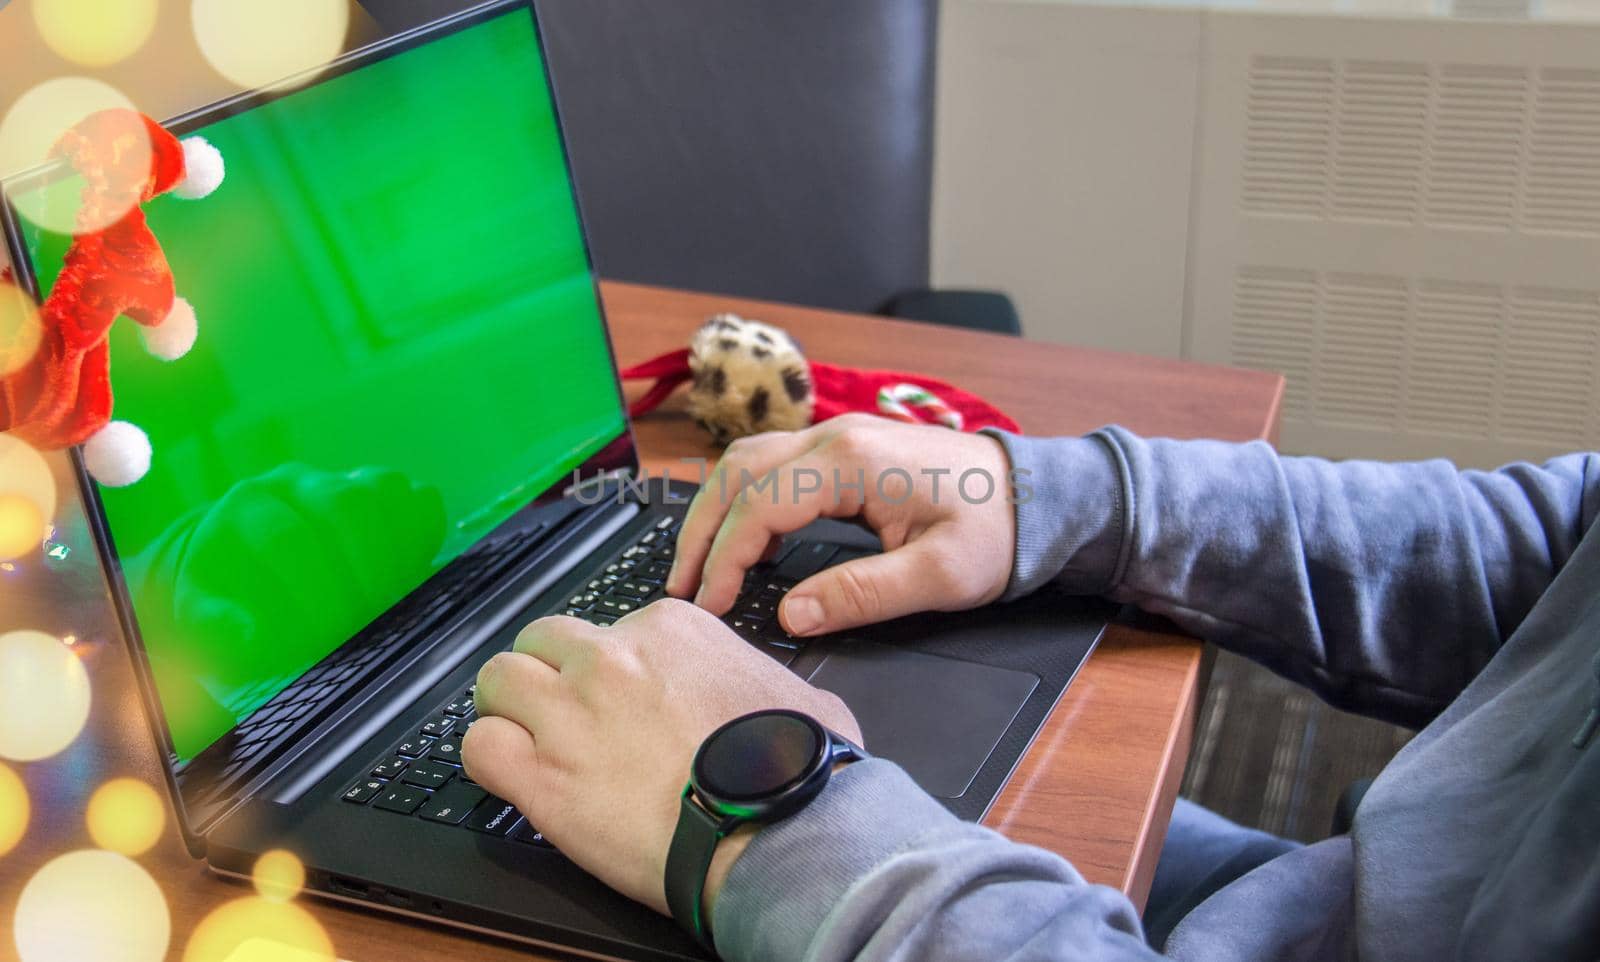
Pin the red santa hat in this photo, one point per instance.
(62, 396)
(748, 377)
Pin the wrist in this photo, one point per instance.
(728, 852)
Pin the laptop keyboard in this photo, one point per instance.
(300, 704)
(422, 776)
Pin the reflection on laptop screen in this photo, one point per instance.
(399, 347)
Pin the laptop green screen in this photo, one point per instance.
(400, 346)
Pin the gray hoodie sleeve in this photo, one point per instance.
(1339, 576)
(875, 870)
(1332, 574)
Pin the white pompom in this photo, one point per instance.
(173, 337)
(118, 454)
(203, 169)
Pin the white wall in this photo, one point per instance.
(1063, 167)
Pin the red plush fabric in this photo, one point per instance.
(62, 396)
(669, 370)
(839, 390)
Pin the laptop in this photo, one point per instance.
(399, 438)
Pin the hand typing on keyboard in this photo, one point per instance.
(589, 731)
(938, 500)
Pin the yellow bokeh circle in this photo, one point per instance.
(279, 875)
(259, 930)
(95, 905)
(126, 816)
(24, 471)
(36, 120)
(20, 330)
(95, 33)
(13, 809)
(22, 526)
(45, 693)
(260, 44)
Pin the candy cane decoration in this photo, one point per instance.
(897, 401)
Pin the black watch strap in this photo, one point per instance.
(688, 861)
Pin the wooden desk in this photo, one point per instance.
(1097, 786)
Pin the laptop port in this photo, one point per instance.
(397, 899)
(347, 887)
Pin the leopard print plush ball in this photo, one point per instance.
(749, 377)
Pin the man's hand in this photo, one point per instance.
(590, 732)
(948, 540)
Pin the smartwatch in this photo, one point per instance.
(759, 768)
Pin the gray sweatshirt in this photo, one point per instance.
(1462, 602)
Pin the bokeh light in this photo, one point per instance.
(257, 44)
(22, 526)
(20, 331)
(13, 809)
(95, 33)
(31, 128)
(45, 693)
(258, 930)
(95, 905)
(126, 816)
(24, 471)
(279, 875)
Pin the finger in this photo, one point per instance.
(919, 576)
(745, 461)
(557, 640)
(515, 686)
(502, 756)
(803, 492)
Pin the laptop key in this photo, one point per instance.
(493, 816)
(634, 589)
(362, 792)
(746, 626)
(615, 607)
(447, 750)
(401, 798)
(390, 769)
(808, 558)
(429, 774)
(525, 832)
(654, 571)
(453, 803)
(459, 708)
(758, 607)
(413, 747)
(437, 727)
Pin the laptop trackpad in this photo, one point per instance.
(938, 718)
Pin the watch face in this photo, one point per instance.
(759, 756)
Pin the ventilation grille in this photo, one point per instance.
(1290, 112)
(1450, 145)
(1478, 361)
(1563, 179)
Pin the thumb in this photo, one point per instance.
(866, 590)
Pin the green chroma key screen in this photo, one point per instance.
(400, 346)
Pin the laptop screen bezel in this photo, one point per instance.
(618, 456)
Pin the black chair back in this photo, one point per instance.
(763, 148)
